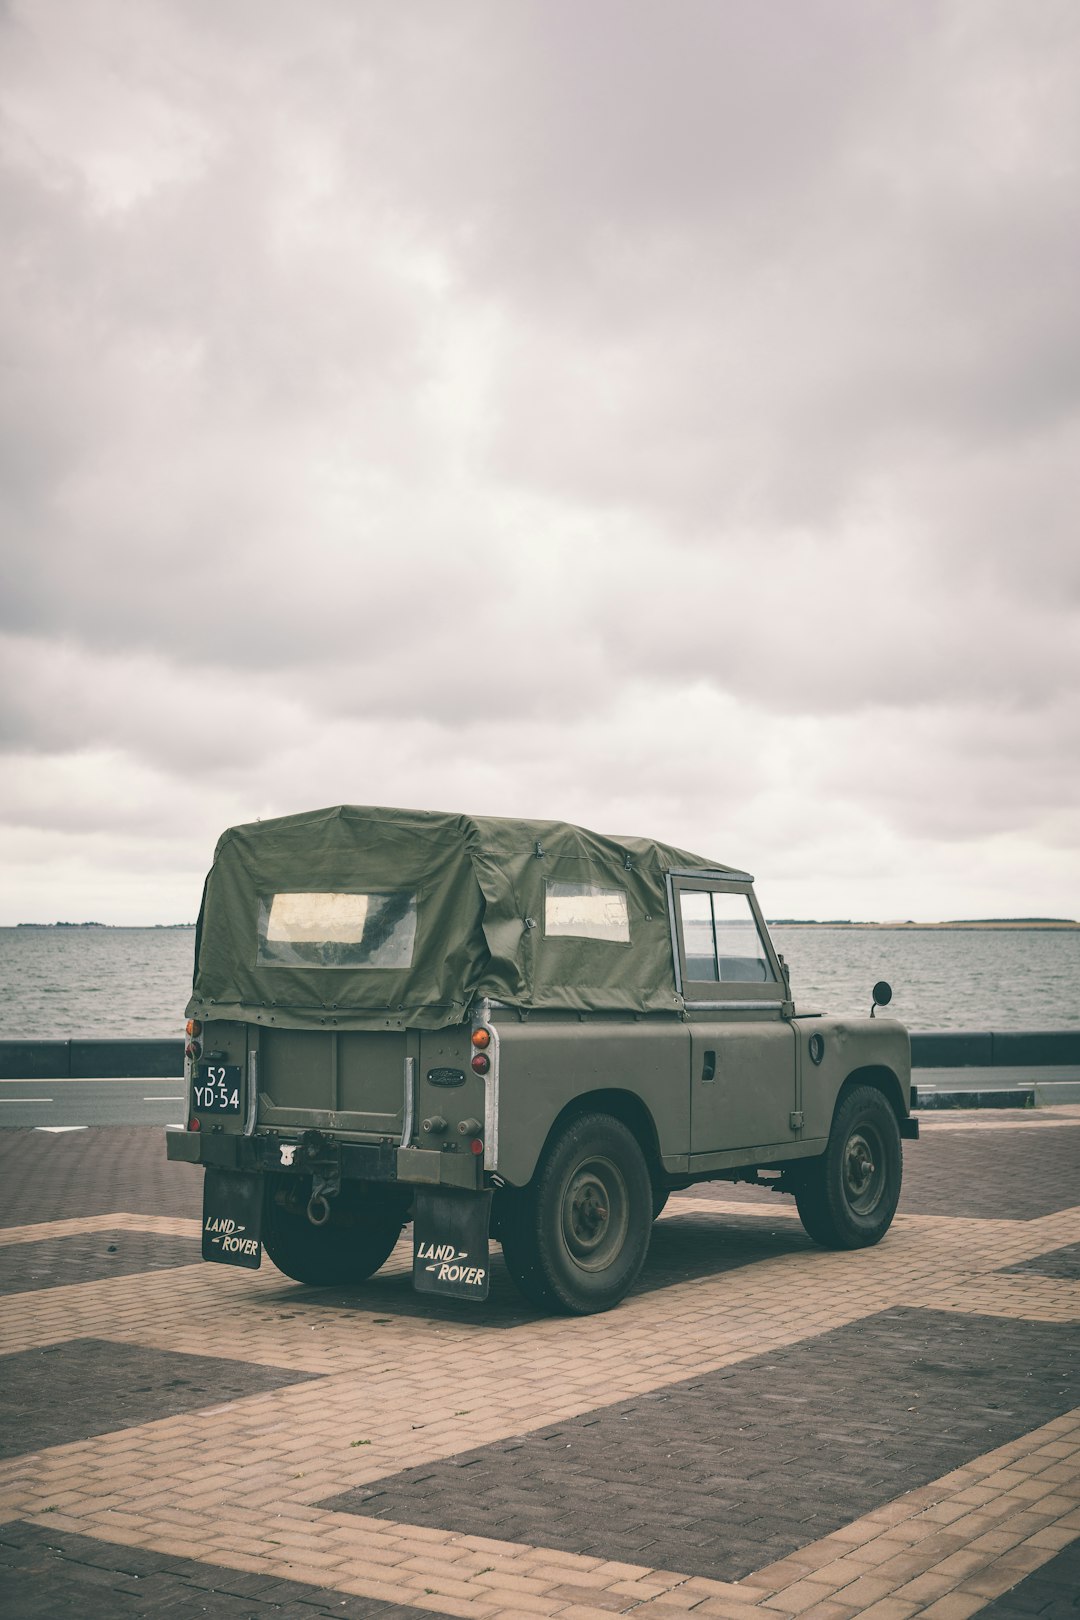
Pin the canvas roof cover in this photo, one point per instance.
(481, 887)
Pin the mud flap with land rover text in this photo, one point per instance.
(450, 1243)
(232, 1217)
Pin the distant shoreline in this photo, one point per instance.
(111, 927)
(1039, 924)
(1042, 924)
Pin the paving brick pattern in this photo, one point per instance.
(721, 1475)
(995, 1175)
(1052, 1593)
(93, 1172)
(685, 1246)
(371, 1384)
(1064, 1262)
(982, 1172)
(90, 1257)
(46, 1576)
(70, 1391)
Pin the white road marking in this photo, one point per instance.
(54, 1130)
(15, 1100)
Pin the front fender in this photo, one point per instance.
(876, 1050)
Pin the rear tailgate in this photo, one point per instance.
(346, 1080)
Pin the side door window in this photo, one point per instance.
(722, 948)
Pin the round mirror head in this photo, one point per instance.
(882, 993)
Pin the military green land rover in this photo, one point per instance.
(509, 1029)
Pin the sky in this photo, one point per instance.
(659, 417)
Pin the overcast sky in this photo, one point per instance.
(659, 416)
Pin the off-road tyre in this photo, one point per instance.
(660, 1196)
(575, 1239)
(847, 1197)
(364, 1225)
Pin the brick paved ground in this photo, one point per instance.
(763, 1429)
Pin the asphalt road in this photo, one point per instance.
(52, 1104)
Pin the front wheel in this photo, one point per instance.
(847, 1198)
(575, 1239)
(360, 1234)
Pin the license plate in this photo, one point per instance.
(232, 1218)
(216, 1088)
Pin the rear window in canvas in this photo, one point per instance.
(336, 930)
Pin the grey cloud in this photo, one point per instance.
(687, 400)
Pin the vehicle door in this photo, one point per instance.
(743, 1055)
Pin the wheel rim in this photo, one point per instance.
(864, 1170)
(595, 1213)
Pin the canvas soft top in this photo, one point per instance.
(478, 884)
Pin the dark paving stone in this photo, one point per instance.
(89, 1257)
(70, 1391)
(721, 1474)
(45, 1575)
(980, 1174)
(997, 1175)
(1061, 1263)
(94, 1172)
(1050, 1593)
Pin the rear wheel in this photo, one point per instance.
(575, 1239)
(363, 1227)
(847, 1198)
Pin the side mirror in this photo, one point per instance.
(882, 994)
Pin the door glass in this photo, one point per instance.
(699, 945)
(740, 953)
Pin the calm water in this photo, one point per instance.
(135, 981)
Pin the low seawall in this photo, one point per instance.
(164, 1059)
(91, 1060)
(990, 1049)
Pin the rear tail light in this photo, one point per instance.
(476, 1145)
(193, 1049)
(193, 1124)
(481, 1063)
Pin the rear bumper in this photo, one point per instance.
(359, 1161)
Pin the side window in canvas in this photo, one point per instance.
(721, 942)
(586, 911)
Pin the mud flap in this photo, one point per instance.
(450, 1243)
(232, 1218)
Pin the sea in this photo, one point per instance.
(96, 982)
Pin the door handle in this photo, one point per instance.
(708, 1067)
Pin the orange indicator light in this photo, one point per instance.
(481, 1037)
(194, 1027)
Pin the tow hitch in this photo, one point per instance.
(320, 1156)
